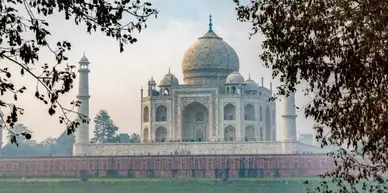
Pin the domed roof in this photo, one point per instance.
(235, 78)
(84, 59)
(168, 80)
(152, 81)
(251, 84)
(210, 56)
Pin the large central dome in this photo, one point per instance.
(209, 60)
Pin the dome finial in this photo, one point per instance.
(169, 70)
(210, 23)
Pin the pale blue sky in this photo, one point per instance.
(116, 78)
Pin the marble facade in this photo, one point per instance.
(216, 111)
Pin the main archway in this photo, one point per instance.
(195, 122)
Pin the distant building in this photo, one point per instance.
(215, 111)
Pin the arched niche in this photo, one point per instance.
(250, 133)
(195, 122)
(146, 114)
(229, 133)
(229, 112)
(161, 113)
(249, 112)
(146, 134)
(161, 134)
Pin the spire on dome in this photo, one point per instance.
(210, 23)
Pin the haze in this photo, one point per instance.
(116, 78)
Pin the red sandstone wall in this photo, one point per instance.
(170, 166)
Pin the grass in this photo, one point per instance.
(152, 185)
(134, 180)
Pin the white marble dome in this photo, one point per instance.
(251, 84)
(235, 78)
(207, 59)
(168, 80)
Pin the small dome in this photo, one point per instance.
(251, 84)
(168, 80)
(152, 81)
(84, 59)
(235, 78)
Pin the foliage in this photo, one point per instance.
(339, 48)
(61, 146)
(104, 128)
(18, 133)
(123, 138)
(19, 19)
(135, 138)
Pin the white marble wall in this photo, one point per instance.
(215, 103)
(200, 148)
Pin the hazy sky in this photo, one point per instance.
(116, 78)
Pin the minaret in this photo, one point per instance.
(151, 86)
(82, 131)
(262, 81)
(289, 118)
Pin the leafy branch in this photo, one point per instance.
(339, 49)
(117, 20)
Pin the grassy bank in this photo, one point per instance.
(161, 185)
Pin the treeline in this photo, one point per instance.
(105, 131)
(61, 146)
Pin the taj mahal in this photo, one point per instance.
(214, 110)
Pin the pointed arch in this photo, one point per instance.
(195, 122)
(146, 114)
(146, 134)
(161, 113)
(166, 92)
(161, 134)
(250, 133)
(234, 90)
(229, 112)
(249, 112)
(229, 133)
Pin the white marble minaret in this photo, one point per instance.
(82, 131)
(289, 118)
